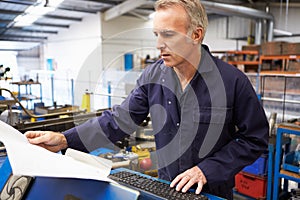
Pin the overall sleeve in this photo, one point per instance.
(111, 126)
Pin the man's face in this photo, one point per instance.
(170, 28)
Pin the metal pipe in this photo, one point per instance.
(52, 88)
(272, 122)
(235, 10)
(279, 100)
(72, 92)
(286, 14)
(258, 31)
(270, 31)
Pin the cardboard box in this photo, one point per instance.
(272, 48)
(290, 48)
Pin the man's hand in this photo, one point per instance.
(52, 141)
(188, 178)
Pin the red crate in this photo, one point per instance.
(251, 185)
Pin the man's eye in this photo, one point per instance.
(155, 34)
(167, 34)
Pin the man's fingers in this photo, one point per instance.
(32, 134)
(182, 182)
(189, 184)
(176, 180)
(38, 140)
(186, 180)
(52, 141)
(199, 188)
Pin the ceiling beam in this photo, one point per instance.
(278, 4)
(62, 7)
(5, 21)
(23, 36)
(20, 39)
(122, 8)
(77, 19)
(50, 25)
(139, 15)
(10, 12)
(33, 31)
(105, 2)
(27, 3)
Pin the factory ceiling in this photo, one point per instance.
(52, 18)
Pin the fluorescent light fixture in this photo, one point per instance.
(34, 12)
(25, 20)
(282, 32)
(31, 15)
(39, 10)
(54, 3)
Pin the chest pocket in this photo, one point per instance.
(215, 115)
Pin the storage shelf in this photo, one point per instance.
(282, 130)
(290, 175)
(236, 52)
(27, 95)
(280, 100)
(26, 83)
(279, 92)
(279, 73)
(247, 59)
(279, 57)
(7, 102)
(284, 58)
(243, 62)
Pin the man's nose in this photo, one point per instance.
(160, 44)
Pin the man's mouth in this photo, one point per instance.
(165, 55)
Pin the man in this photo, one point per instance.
(1, 70)
(207, 120)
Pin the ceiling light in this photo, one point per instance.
(34, 12)
(54, 3)
(39, 10)
(25, 20)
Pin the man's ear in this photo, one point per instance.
(197, 35)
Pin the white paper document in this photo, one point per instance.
(31, 160)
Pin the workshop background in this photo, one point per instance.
(65, 61)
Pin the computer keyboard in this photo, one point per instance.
(151, 187)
